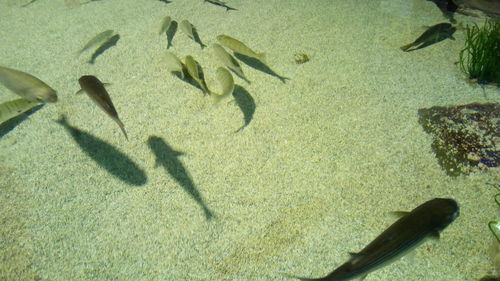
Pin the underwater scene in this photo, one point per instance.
(250, 140)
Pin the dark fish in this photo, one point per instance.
(425, 221)
(434, 34)
(96, 91)
(447, 7)
(221, 4)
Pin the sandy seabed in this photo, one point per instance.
(313, 176)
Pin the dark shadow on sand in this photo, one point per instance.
(107, 156)
(10, 124)
(172, 29)
(246, 104)
(260, 66)
(168, 158)
(197, 38)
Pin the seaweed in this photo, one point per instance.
(480, 58)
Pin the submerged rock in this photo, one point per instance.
(465, 137)
(489, 7)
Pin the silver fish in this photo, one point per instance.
(96, 91)
(13, 108)
(27, 85)
(425, 221)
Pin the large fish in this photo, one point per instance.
(27, 85)
(96, 91)
(423, 222)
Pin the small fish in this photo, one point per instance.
(165, 24)
(240, 48)
(425, 221)
(96, 91)
(227, 84)
(174, 64)
(221, 4)
(96, 40)
(190, 31)
(111, 42)
(193, 69)
(27, 86)
(228, 61)
(434, 34)
(13, 108)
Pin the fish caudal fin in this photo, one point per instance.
(122, 127)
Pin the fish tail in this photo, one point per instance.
(122, 127)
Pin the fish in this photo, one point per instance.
(27, 85)
(228, 61)
(190, 31)
(221, 4)
(240, 48)
(96, 91)
(413, 228)
(13, 108)
(193, 69)
(96, 40)
(433, 34)
(165, 24)
(111, 42)
(174, 64)
(227, 84)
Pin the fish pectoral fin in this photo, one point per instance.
(399, 214)
(79, 92)
(106, 84)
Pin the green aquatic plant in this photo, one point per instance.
(495, 225)
(480, 58)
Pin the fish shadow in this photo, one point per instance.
(168, 158)
(172, 29)
(105, 155)
(165, 1)
(188, 79)
(246, 104)
(197, 38)
(111, 42)
(260, 66)
(10, 124)
(426, 44)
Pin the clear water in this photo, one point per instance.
(314, 173)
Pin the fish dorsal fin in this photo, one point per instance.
(399, 214)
